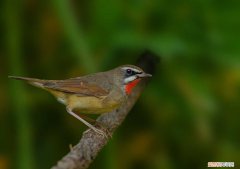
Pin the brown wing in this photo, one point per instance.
(76, 86)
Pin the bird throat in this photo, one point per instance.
(131, 85)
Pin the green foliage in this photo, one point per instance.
(188, 114)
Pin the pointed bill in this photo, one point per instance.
(144, 75)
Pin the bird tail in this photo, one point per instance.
(35, 82)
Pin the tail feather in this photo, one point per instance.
(32, 81)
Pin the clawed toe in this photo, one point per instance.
(103, 132)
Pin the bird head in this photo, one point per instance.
(128, 76)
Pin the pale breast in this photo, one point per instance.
(89, 104)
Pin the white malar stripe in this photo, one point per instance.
(129, 79)
(133, 69)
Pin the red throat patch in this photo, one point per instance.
(131, 85)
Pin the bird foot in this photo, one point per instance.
(103, 132)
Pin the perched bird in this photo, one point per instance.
(95, 93)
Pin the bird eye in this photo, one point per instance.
(129, 72)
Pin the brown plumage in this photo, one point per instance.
(96, 93)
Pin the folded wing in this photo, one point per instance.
(76, 86)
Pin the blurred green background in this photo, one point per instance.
(188, 114)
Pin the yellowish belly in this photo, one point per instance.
(89, 104)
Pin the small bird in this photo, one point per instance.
(95, 93)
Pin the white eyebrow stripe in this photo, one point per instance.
(129, 79)
(135, 70)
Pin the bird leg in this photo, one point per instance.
(97, 124)
(87, 124)
(88, 119)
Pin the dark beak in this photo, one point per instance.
(143, 74)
